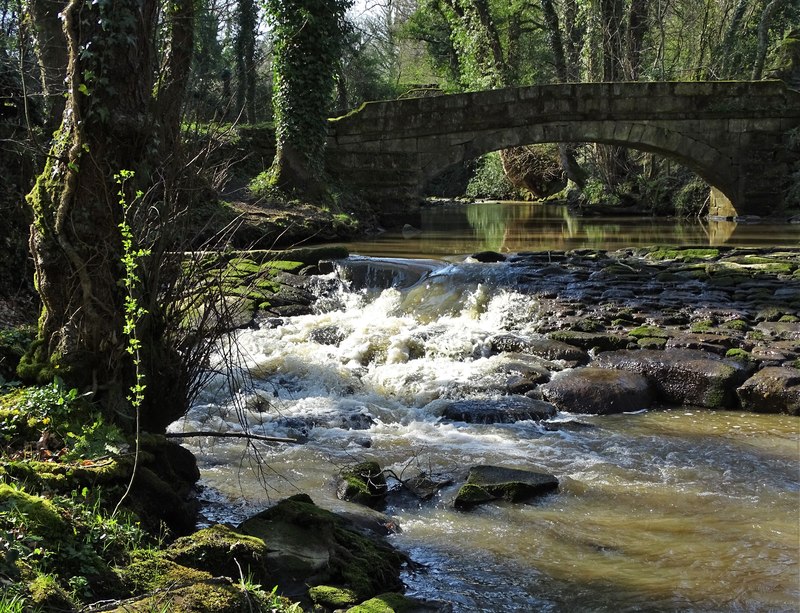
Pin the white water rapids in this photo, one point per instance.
(685, 509)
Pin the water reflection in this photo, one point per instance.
(458, 229)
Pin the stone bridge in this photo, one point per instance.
(731, 133)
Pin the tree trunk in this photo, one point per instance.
(245, 60)
(763, 37)
(638, 25)
(51, 50)
(566, 151)
(109, 127)
(174, 78)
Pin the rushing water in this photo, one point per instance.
(657, 511)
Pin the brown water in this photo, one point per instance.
(680, 510)
(456, 229)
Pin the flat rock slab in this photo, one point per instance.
(772, 390)
(501, 410)
(488, 483)
(599, 391)
(546, 348)
(683, 376)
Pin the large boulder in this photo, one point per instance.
(503, 410)
(487, 483)
(772, 390)
(310, 546)
(683, 376)
(599, 391)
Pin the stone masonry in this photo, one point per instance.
(731, 133)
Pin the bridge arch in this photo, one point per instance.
(703, 159)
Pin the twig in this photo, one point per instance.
(258, 437)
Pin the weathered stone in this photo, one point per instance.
(780, 330)
(363, 483)
(683, 376)
(545, 348)
(487, 483)
(716, 126)
(591, 340)
(598, 391)
(772, 390)
(327, 335)
(504, 410)
(714, 343)
(308, 545)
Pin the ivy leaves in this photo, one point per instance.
(309, 36)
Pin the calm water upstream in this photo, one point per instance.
(680, 510)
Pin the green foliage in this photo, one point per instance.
(134, 311)
(596, 192)
(489, 180)
(69, 542)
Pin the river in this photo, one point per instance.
(658, 510)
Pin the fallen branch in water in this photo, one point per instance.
(257, 437)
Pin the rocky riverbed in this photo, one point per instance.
(610, 332)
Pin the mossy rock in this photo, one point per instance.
(47, 595)
(739, 354)
(486, 483)
(14, 342)
(65, 477)
(216, 595)
(332, 597)
(590, 340)
(649, 332)
(683, 254)
(41, 518)
(391, 602)
(363, 483)
(652, 342)
(152, 572)
(705, 325)
(222, 552)
(311, 546)
(740, 325)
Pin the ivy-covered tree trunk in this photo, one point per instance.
(51, 50)
(110, 125)
(309, 35)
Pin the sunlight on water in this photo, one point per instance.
(685, 509)
(451, 230)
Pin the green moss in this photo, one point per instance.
(470, 494)
(738, 354)
(221, 551)
(385, 603)
(40, 515)
(683, 254)
(151, 572)
(363, 483)
(652, 342)
(213, 595)
(48, 595)
(702, 326)
(736, 324)
(285, 266)
(789, 319)
(364, 565)
(332, 597)
(649, 332)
